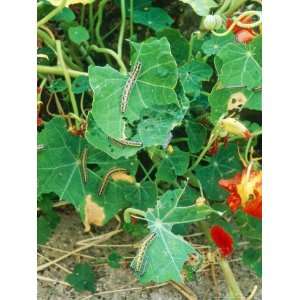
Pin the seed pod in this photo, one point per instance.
(212, 22)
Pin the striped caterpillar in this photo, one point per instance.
(128, 86)
(83, 161)
(106, 178)
(139, 263)
(125, 142)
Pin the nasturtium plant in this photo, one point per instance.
(136, 99)
(168, 252)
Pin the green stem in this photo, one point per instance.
(82, 13)
(52, 13)
(132, 211)
(223, 8)
(68, 81)
(106, 35)
(230, 280)
(98, 28)
(41, 86)
(234, 5)
(191, 44)
(131, 18)
(85, 54)
(122, 28)
(113, 54)
(213, 137)
(91, 20)
(254, 134)
(57, 70)
(147, 173)
(51, 44)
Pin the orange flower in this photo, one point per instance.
(245, 191)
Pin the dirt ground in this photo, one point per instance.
(120, 284)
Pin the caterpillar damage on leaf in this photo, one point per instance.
(93, 214)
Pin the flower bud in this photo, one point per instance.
(212, 22)
(235, 127)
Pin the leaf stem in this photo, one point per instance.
(132, 211)
(57, 70)
(211, 140)
(113, 54)
(131, 18)
(68, 81)
(52, 13)
(230, 280)
(91, 20)
(122, 29)
(191, 44)
(98, 27)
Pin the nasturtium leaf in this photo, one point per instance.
(66, 15)
(253, 259)
(78, 34)
(70, 2)
(80, 84)
(240, 65)
(218, 100)
(142, 195)
(96, 137)
(113, 260)
(44, 230)
(196, 134)
(105, 163)
(166, 254)
(215, 43)
(201, 7)
(152, 100)
(173, 165)
(179, 44)
(136, 230)
(57, 86)
(192, 74)
(225, 164)
(59, 171)
(82, 278)
(154, 18)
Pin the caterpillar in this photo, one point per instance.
(84, 169)
(140, 262)
(106, 178)
(125, 142)
(128, 86)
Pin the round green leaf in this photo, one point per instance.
(154, 18)
(78, 34)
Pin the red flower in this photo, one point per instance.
(245, 191)
(222, 239)
(243, 35)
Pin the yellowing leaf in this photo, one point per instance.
(93, 214)
(121, 175)
(70, 2)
